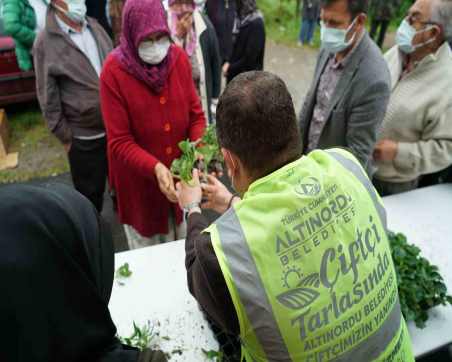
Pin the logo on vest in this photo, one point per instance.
(309, 186)
(304, 294)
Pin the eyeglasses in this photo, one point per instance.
(416, 19)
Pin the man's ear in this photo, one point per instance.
(361, 20)
(228, 159)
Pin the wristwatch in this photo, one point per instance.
(191, 206)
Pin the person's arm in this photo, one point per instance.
(13, 25)
(433, 152)
(254, 44)
(365, 121)
(204, 276)
(117, 123)
(49, 98)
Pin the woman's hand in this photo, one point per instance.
(217, 195)
(166, 182)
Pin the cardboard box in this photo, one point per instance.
(4, 134)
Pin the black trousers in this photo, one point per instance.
(383, 25)
(89, 169)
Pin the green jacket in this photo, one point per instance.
(20, 22)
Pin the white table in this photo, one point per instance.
(157, 290)
(425, 217)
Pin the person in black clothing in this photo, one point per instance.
(57, 262)
(97, 9)
(382, 12)
(222, 14)
(249, 41)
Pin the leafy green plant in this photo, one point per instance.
(421, 286)
(203, 154)
(141, 337)
(212, 355)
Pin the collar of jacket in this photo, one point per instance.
(200, 24)
(53, 27)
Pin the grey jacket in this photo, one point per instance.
(358, 105)
(67, 83)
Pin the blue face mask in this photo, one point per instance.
(405, 36)
(333, 40)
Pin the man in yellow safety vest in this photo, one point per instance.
(300, 266)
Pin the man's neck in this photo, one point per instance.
(69, 22)
(413, 59)
(342, 55)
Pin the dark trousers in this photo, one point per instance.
(89, 169)
(383, 25)
(307, 31)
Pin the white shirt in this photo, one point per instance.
(87, 44)
(40, 8)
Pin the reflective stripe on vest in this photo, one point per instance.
(252, 293)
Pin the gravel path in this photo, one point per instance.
(295, 65)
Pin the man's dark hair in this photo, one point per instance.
(256, 121)
(355, 7)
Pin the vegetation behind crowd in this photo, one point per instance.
(282, 19)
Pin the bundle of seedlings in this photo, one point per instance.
(421, 286)
(203, 154)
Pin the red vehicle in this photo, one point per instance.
(16, 86)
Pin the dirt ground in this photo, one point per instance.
(295, 65)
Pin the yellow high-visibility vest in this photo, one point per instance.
(307, 262)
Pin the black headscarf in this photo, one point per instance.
(56, 270)
(246, 7)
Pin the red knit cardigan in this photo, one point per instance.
(143, 129)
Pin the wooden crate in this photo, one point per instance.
(4, 135)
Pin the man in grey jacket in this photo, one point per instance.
(350, 91)
(68, 56)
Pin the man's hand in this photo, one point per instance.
(189, 194)
(165, 181)
(226, 69)
(67, 147)
(217, 195)
(386, 150)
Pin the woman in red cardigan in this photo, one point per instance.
(149, 105)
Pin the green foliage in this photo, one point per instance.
(141, 337)
(40, 153)
(123, 271)
(213, 355)
(183, 166)
(201, 154)
(421, 287)
(283, 22)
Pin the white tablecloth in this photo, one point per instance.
(157, 290)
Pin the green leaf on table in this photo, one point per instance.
(141, 337)
(123, 271)
(213, 355)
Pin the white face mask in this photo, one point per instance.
(76, 10)
(153, 52)
(405, 36)
(333, 40)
